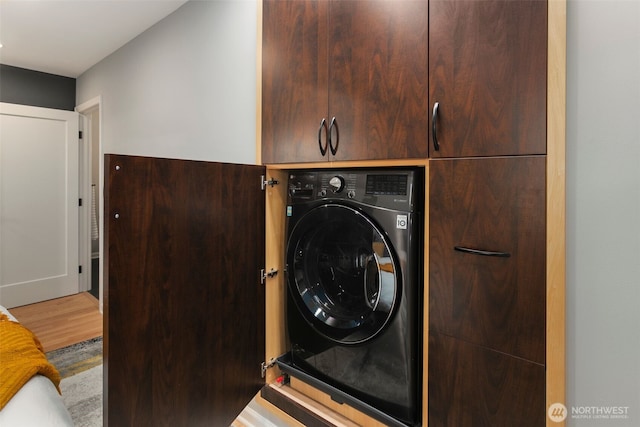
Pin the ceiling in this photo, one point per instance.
(67, 37)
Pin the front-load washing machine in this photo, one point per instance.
(354, 262)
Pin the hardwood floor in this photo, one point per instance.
(63, 321)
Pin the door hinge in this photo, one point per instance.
(265, 182)
(80, 202)
(264, 275)
(80, 134)
(266, 365)
(79, 269)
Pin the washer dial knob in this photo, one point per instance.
(337, 184)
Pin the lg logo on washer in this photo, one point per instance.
(401, 222)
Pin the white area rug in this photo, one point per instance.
(82, 395)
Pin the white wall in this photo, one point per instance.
(603, 208)
(185, 88)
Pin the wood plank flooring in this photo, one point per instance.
(63, 321)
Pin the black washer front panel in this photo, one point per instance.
(354, 279)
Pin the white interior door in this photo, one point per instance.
(38, 204)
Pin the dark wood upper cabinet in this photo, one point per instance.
(487, 72)
(184, 306)
(363, 63)
(294, 80)
(487, 213)
(378, 78)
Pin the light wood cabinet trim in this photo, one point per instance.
(352, 164)
(425, 304)
(556, 210)
(275, 287)
(276, 342)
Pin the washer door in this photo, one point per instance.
(343, 274)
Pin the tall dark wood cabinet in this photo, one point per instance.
(184, 306)
(487, 213)
(340, 82)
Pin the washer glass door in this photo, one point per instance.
(342, 273)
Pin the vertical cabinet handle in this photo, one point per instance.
(323, 125)
(434, 126)
(333, 125)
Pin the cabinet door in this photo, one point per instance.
(472, 386)
(378, 78)
(294, 80)
(184, 306)
(487, 253)
(487, 293)
(487, 71)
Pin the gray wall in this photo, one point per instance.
(34, 88)
(186, 89)
(603, 208)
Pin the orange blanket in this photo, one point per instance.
(21, 357)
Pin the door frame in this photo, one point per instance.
(90, 106)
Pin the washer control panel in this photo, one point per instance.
(391, 188)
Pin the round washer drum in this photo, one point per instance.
(346, 279)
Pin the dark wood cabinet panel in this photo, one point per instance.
(184, 304)
(472, 386)
(378, 78)
(294, 80)
(489, 204)
(345, 60)
(487, 70)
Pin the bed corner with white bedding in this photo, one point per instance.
(37, 403)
